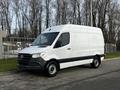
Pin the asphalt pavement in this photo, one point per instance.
(106, 77)
(107, 81)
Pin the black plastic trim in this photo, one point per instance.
(78, 58)
(34, 63)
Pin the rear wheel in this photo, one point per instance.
(51, 68)
(96, 62)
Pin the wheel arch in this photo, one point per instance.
(98, 56)
(54, 60)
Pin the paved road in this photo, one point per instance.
(108, 81)
(107, 77)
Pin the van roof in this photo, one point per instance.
(72, 28)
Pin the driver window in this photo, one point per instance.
(63, 40)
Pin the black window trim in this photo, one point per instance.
(58, 39)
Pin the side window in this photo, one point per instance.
(63, 40)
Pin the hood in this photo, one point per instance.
(33, 50)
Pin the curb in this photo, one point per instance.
(112, 59)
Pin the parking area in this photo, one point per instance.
(36, 81)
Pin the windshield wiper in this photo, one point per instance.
(44, 45)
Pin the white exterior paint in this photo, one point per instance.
(84, 41)
(75, 63)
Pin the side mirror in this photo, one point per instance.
(58, 44)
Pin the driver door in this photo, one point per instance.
(62, 47)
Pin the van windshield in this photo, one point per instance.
(45, 39)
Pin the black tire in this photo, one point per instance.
(96, 62)
(51, 68)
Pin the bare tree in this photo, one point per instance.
(6, 17)
(47, 2)
(27, 18)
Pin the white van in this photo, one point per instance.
(63, 46)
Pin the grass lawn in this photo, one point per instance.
(112, 55)
(8, 65)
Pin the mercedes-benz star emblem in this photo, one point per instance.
(21, 56)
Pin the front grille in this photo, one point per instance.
(24, 59)
(25, 56)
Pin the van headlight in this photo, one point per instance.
(37, 55)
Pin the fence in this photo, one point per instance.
(2, 34)
(110, 48)
(12, 45)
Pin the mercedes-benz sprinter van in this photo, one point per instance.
(63, 46)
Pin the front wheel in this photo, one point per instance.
(96, 62)
(51, 69)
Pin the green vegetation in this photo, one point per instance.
(112, 55)
(8, 65)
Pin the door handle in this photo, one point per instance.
(68, 48)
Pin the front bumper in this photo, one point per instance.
(23, 67)
(31, 64)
